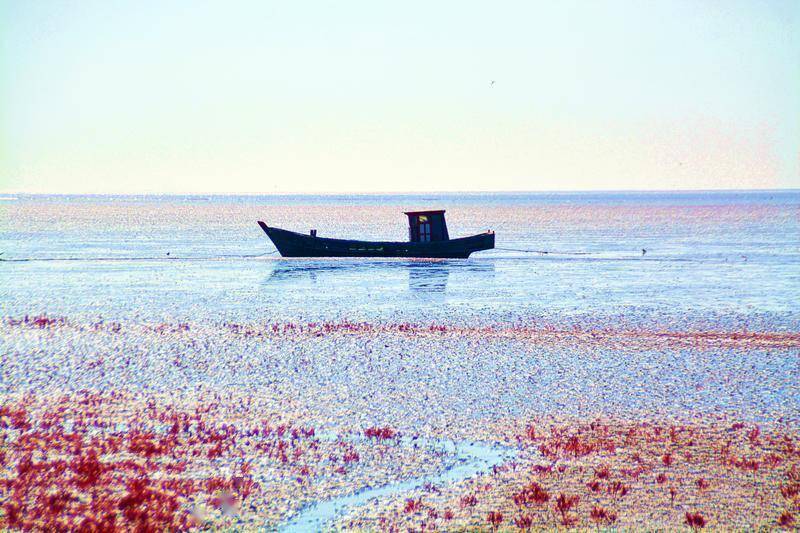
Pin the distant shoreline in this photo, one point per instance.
(609, 192)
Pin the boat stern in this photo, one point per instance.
(485, 242)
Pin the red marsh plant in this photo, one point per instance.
(790, 492)
(598, 515)
(670, 457)
(380, 433)
(350, 456)
(564, 504)
(694, 520)
(786, 520)
(412, 506)
(39, 321)
(793, 474)
(744, 463)
(580, 442)
(753, 435)
(495, 518)
(617, 489)
(602, 472)
(532, 494)
(97, 477)
(542, 469)
(468, 501)
(788, 445)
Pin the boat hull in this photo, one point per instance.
(292, 244)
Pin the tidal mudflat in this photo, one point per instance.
(263, 425)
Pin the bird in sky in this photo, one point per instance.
(491, 84)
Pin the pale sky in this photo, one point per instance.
(293, 96)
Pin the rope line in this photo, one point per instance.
(543, 252)
(160, 258)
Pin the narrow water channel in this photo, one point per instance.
(472, 458)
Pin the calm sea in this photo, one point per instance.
(713, 260)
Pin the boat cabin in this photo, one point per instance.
(427, 226)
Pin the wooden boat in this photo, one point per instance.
(428, 237)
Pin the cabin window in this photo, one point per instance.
(424, 230)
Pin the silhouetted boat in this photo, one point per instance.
(427, 232)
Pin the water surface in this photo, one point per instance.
(721, 259)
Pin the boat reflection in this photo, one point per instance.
(424, 276)
(428, 278)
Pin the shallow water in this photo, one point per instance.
(713, 260)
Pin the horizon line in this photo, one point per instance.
(402, 193)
